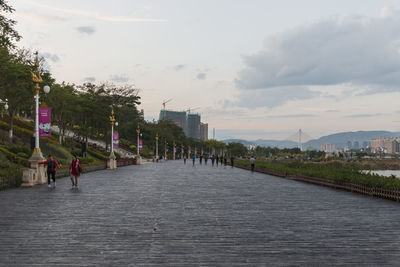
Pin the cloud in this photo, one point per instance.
(89, 30)
(52, 57)
(38, 17)
(122, 78)
(179, 67)
(363, 115)
(292, 116)
(201, 76)
(94, 14)
(272, 97)
(355, 50)
(89, 79)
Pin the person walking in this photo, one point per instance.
(75, 169)
(193, 159)
(225, 160)
(205, 159)
(221, 159)
(252, 162)
(212, 160)
(184, 159)
(201, 159)
(52, 165)
(216, 159)
(232, 159)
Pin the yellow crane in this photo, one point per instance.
(165, 102)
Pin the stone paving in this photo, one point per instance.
(170, 214)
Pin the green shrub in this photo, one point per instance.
(97, 154)
(337, 172)
(86, 160)
(22, 155)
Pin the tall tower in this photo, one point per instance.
(300, 144)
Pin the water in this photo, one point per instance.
(386, 173)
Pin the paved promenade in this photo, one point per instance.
(170, 214)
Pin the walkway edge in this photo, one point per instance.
(355, 188)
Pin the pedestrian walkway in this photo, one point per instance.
(171, 214)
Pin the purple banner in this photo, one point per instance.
(115, 139)
(140, 144)
(44, 122)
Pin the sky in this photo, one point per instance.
(254, 69)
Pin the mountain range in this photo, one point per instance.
(338, 139)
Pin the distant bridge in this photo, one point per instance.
(300, 137)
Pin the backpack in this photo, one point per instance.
(78, 166)
(51, 165)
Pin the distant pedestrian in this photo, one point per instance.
(184, 159)
(212, 160)
(221, 159)
(201, 159)
(193, 159)
(252, 163)
(205, 159)
(232, 160)
(225, 160)
(216, 160)
(52, 165)
(75, 169)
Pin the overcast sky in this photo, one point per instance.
(256, 69)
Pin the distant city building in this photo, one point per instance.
(328, 148)
(349, 145)
(177, 117)
(193, 126)
(388, 145)
(190, 123)
(204, 131)
(356, 145)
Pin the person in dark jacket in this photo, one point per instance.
(232, 159)
(52, 165)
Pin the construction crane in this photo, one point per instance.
(165, 102)
(191, 109)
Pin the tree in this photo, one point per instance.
(7, 32)
(15, 82)
(236, 149)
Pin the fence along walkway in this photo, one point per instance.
(171, 214)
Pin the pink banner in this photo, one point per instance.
(140, 144)
(115, 139)
(174, 149)
(44, 122)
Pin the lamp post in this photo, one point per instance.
(5, 103)
(138, 141)
(36, 174)
(174, 150)
(165, 149)
(157, 147)
(37, 79)
(112, 164)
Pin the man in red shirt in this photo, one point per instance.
(75, 170)
(51, 169)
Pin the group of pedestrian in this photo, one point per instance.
(215, 159)
(75, 169)
(219, 159)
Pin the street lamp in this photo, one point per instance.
(174, 150)
(157, 147)
(37, 79)
(165, 150)
(138, 141)
(113, 122)
(112, 164)
(5, 103)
